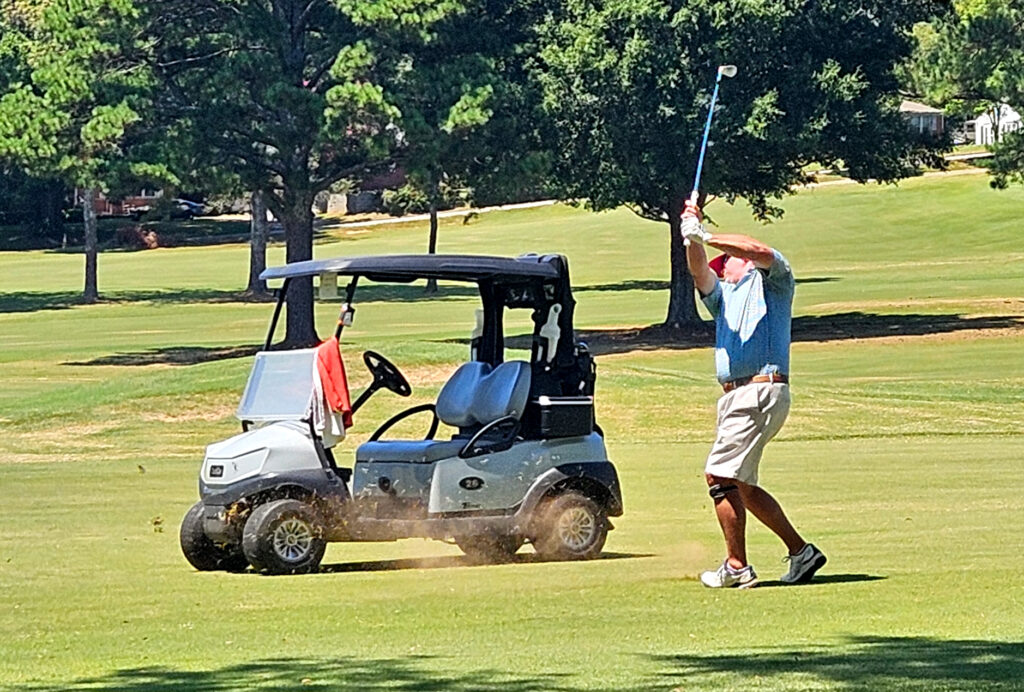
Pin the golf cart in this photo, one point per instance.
(527, 463)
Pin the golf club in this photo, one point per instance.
(723, 71)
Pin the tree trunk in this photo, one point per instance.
(432, 243)
(51, 213)
(297, 219)
(259, 231)
(91, 293)
(682, 305)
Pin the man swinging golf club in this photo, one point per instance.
(749, 291)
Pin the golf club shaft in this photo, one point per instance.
(704, 144)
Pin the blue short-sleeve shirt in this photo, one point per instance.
(753, 321)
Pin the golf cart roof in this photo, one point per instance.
(539, 283)
(405, 268)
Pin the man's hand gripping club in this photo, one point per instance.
(694, 236)
(692, 229)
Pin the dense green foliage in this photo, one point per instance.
(628, 82)
(81, 94)
(284, 94)
(907, 402)
(449, 80)
(292, 96)
(332, 90)
(85, 88)
(972, 62)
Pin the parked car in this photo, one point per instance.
(185, 208)
(176, 209)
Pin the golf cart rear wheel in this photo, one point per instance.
(571, 526)
(489, 549)
(201, 552)
(284, 537)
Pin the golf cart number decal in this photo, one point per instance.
(472, 483)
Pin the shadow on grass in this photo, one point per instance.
(854, 325)
(862, 663)
(848, 325)
(865, 662)
(822, 579)
(448, 562)
(410, 673)
(174, 355)
(32, 301)
(657, 285)
(28, 301)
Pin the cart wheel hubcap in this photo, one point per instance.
(293, 539)
(576, 528)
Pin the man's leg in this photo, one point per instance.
(769, 512)
(732, 517)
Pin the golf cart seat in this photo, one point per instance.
(475, 397)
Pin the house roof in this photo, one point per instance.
(915, 107)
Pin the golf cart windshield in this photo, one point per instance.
(280, 386)
(537, 283)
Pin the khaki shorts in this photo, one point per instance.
(748, 417)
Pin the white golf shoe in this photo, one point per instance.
(725, 577)
(803, 565)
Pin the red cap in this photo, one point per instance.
(718, 264)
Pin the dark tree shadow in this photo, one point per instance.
(865, 663)
(448, 562)
(658, 285)
(343, 673)
(849, 325)
(29, 301)
(854, 325)
(368, 292)
(35, 301)
(174, 355)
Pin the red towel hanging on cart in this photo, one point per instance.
(334, 380)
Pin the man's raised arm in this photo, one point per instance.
(696, 259)
(744, 247)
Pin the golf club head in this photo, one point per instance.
(727, 70)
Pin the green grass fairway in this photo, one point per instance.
(901, 460)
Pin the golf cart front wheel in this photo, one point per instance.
(284, 537)
(201, 552)
(571, 526)
(485, 550)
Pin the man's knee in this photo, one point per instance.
(720, 488)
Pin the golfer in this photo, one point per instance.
(749, 291)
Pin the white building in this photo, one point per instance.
(984, 130)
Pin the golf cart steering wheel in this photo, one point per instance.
(386, 374)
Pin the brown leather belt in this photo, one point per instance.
(771, 377)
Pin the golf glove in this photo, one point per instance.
(693, 230)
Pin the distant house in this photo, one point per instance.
(923, 119)
(988, 132)
(126, 206)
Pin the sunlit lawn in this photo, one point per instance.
(901, 460)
